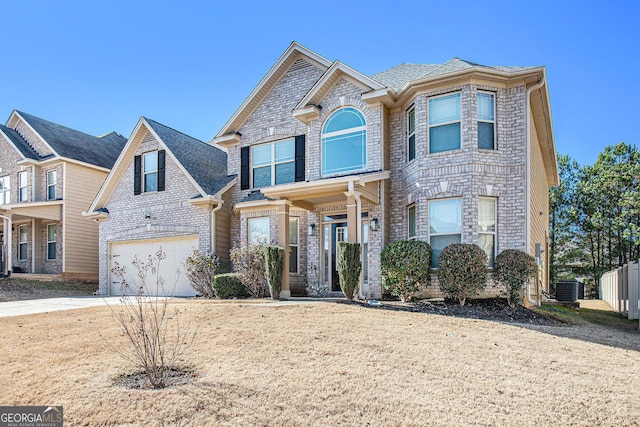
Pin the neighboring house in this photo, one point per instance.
(166, 191)
(453, 152)
(49, 173)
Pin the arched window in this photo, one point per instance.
(344, 142)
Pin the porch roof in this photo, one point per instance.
(49, 210)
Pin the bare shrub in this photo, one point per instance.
(248, 262)
(155, 334)
(201, 267)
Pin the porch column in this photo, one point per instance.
(8, 239)
(283, 241)
(352, 218)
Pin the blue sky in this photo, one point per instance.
(99, 66)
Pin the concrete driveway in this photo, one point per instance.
(45, 305)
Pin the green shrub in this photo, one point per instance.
(274, 261)
(462, 271)
(201, 267)
(248, 262)
(229, 285)
(513, 269)
(349, 268)
(405, 265)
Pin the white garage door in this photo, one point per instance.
(171, 270)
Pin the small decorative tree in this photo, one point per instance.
(248, 262)
(274, 261)
(405, 265)
(201, 267)
(512, 269)
(349, 268)
(462, 271)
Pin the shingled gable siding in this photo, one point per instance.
(464, 173)
(171, 212)
(25, 131)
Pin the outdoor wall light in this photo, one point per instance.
(312, 229)
(374, 224)
(147, 216)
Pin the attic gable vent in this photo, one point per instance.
(300, 64)
(148, 138)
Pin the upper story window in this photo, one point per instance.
(149, 172)
(344, 142)
(486, 121)
(411, 133)
(52, 235)
(52, 178)
(487, 227)
(445, 225)
(444, 123)
(5, 190)
(22, 186)
(273, 164)
(411, 217)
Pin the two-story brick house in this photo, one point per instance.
(48, 174)
(453, 152)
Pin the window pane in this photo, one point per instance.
(444, 109)
(284, 150)
(444, 138)
(23, 233)
(293, 231)
(343, 153)
(23, 251)
(445, 216)
(412, 121)
(438, 243)
(412, 221)
(486, 242)
(51, 233)
(258, 231)
(485, 106)
(51, 177)
(262, 177)
(365, 253)
(51, 192)
(151, 182)
(51, 250)
(261, 155)
(487, 215)
(151, 162)
(412, 147)
(285, 172)
(485, 135)
(345, 118)
(293, 259)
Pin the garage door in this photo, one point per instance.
(171, 269)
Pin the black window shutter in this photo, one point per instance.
(161, 156)
(137, 175)
(244, 168)
(299, 158)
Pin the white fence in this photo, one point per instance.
(620, 288)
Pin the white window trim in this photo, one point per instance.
(297, 245)
(25, 242)
(429, 126)
(23, 184)
(495, 232)
(50, 184)
(415, 222)
(495, 127)
(411, 110)
(5, 194)
(273, 162)
(144, 174)
(52, 241)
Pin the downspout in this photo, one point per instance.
(527, 241)
(9, 235)
(212, 219)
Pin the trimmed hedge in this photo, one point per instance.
(462, 271)
(513, 269)
(274, 262)
(349, 268)
(228, 286)
(405, 265)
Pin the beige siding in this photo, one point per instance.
(80, 234)
(223, 229)
(539, 207)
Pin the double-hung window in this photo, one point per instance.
(51, 184)
(52, 234)
(259, 231)
(411, 133)
(22, 242)
(487, 227)
(5, 190)
(22, 186)
(344, 142)
(486, 121)
(411, 217)
(444, 123)
(150, 171)
(293, 245)
(445, 225)
(274, 163)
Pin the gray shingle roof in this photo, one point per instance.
(397, 77)
(206, 164)
(73, 144)
(255, 196)
(22, 145)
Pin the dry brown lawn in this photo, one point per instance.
(326, 364)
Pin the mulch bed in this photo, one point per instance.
(495, 309)
(139, 381)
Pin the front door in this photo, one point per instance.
(333, 233)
